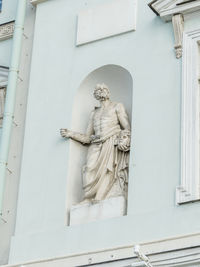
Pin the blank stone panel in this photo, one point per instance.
(105, 209)
(106, 20)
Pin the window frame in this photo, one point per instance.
(189, 188)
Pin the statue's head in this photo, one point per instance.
(101, 92)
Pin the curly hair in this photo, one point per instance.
(102, 87)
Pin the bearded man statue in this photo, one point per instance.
(105, 174)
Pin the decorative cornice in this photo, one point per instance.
(175, 10)
(167, 8)
(6, 30)
(183, 9)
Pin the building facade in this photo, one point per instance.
(10, 182)
(149, 56)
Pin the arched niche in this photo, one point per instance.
(120, 83)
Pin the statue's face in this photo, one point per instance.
(101, 94)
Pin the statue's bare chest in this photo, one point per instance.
(106, 113)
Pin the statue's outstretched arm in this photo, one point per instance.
(79, 137)
(82, 138)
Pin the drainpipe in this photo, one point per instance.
(10, 95)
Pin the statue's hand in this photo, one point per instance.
(65, 133)
(124, 140)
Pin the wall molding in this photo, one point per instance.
(2, 103)
(174, 251)
(189, 189)
(180, 9)
(6, 30)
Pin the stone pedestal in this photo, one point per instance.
(105, 209)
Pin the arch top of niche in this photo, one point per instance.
(116, 77)
(120, 83)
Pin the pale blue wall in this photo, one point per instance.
(8, 10)
(58, 67)
(5, 52)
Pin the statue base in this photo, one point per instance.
(105, 209)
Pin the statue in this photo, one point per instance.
(105, 174)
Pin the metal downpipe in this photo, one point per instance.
(10, 95)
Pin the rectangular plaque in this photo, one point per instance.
(106, 20)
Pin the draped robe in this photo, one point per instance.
(105, 174)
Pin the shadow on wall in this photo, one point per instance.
(120, 83)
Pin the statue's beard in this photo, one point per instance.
(101, 96)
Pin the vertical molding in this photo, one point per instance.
(178, 25)
(11, 92)
(2, 103)
(3, 84)
(189, 189)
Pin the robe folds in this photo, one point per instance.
(106, 173)
(108, 134)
